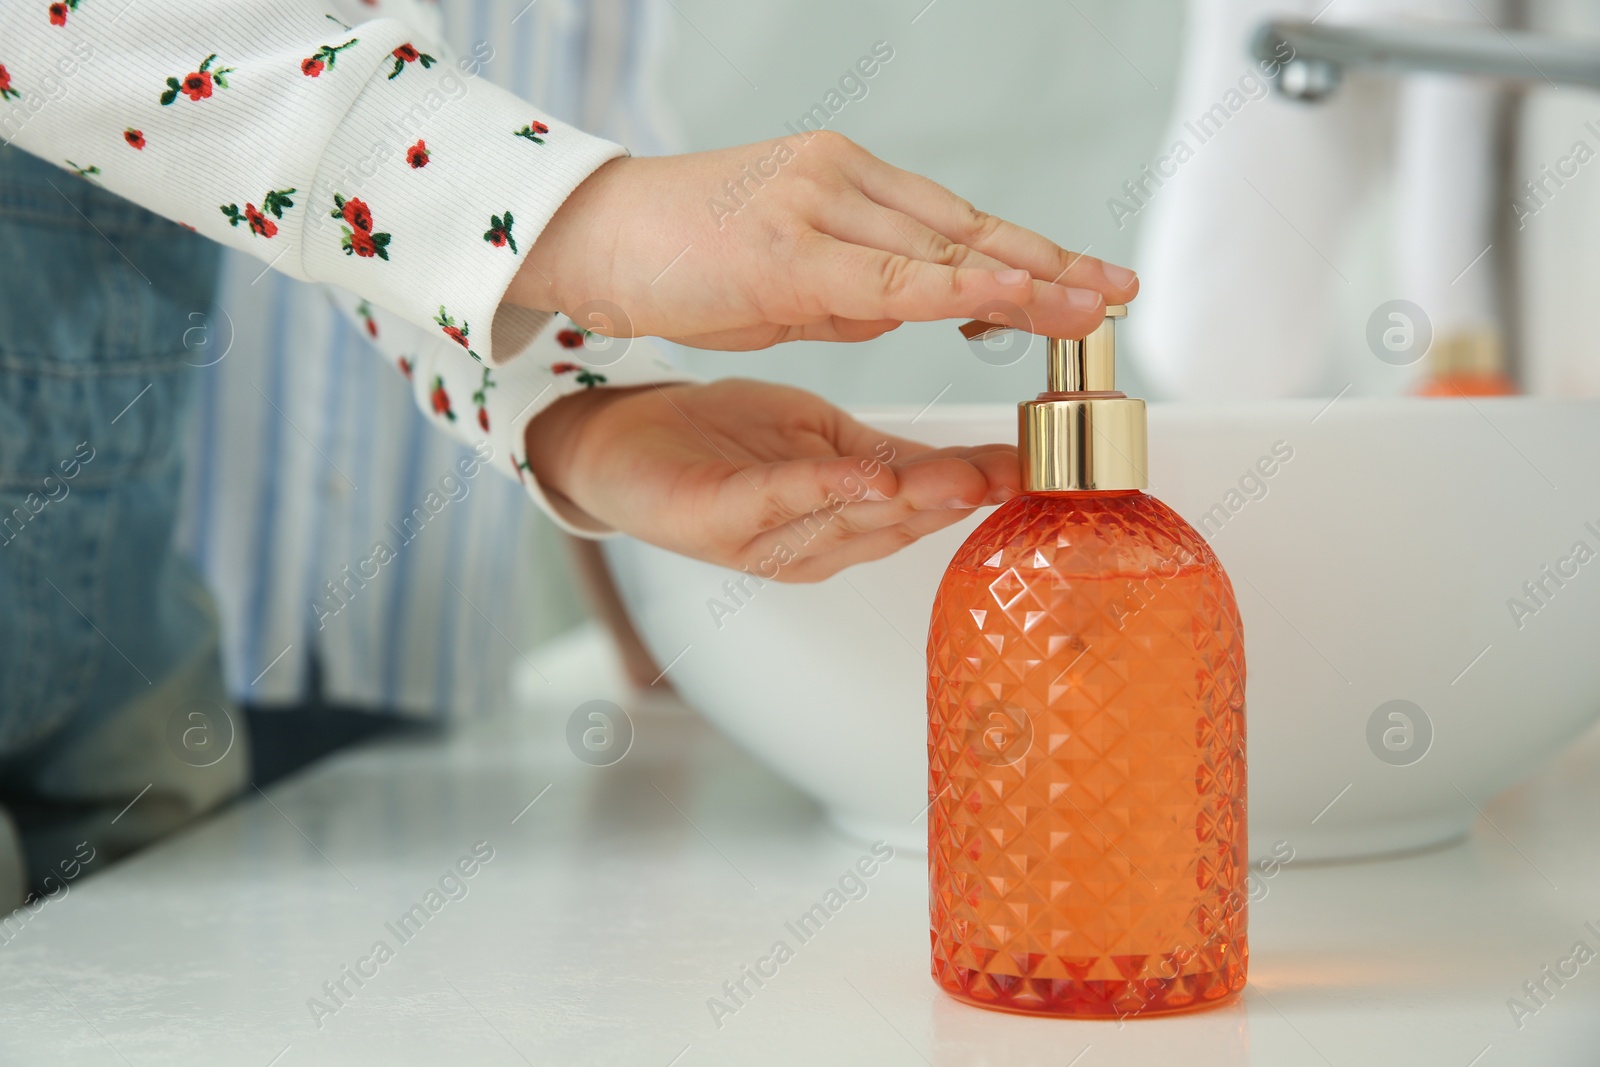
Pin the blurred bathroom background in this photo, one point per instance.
(1041, 112)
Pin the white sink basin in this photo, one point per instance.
(1378, 563)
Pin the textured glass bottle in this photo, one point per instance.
(1086, 740)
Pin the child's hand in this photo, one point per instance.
(758, 476)
(814, 239)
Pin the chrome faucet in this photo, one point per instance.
(1322, 53)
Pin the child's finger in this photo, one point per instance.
(941, 479)
(941, 210)
(834, 328)
(996, 466)
(869, 546)
(868, 283)
(860, 221)
(946, 487)
(771, 496)
(850, 436)
(1001, 469)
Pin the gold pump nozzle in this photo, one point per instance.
(1081, 433)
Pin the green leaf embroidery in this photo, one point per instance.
(275, 201)
(500, 231)
(329, 54)
(400, 64)
(447, 323)
(481, 397)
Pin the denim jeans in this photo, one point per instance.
(110, 685)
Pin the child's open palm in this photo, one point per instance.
(752, 475)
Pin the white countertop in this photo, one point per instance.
(619, 903)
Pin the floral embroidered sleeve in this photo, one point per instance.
(360, 154)
(477, 401)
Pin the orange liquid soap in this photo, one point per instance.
(1489, 384)
(1468, 363)
(1086, 733)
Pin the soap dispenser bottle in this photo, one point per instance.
(1086, 733)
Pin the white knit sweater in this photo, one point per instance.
(349, 148)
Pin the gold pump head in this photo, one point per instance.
(1080, 434)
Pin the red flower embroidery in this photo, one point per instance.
(533, 130)
(358, 236)
(406, 367)
(587, 378)
(58, 12)
(6, 92)
(570, 339)
(134, 137)
(481, 398)
(417, 155)
(407, 53)
(499, 232)
(458, 334)
(357, 214)
(441, 400)
(326, 58)
(196, 85)
(364, 310)
(260, 225)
